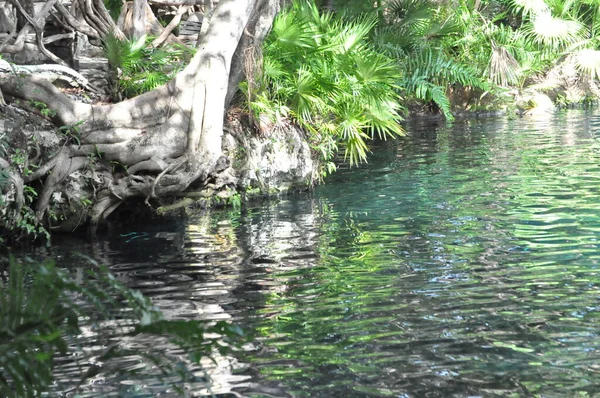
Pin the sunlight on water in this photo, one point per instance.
(462, 261)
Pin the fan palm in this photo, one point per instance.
(554, 32)
(139, 68)
(529, 7)
(334, 83)
(588, 62)
(504, 68)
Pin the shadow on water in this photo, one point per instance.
(461, 261)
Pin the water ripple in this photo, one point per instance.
(463, 262)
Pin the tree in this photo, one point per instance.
(166, 140)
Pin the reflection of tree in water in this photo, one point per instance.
(451, 268)
(211, 269)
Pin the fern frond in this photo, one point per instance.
(441, 69)
(425, 90)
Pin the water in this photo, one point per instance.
(461, 261)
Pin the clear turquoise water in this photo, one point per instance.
(462, 261)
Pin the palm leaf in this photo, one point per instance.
(588, 62)
(351, 132)
(529, 7)
(504, 68)
(291, 33)
(307, 96)
(555, 33)
(371, 67)
(382, 119)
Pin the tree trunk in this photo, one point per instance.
(139, 18)
(257, 30)
(166, 139)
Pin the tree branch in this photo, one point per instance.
(33, 22)
(39, 33)
(170, 27)
(74, 23)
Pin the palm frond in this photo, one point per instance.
(371, 67)
(351, 132)
(408, 12)
(383, 119)
(553, 32)
(307, 97)
(290, 33)
(504, 68)
(587, 62)
(346, 36)
(529, 7)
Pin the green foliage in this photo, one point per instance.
(235, 201)
(323, 72)
(42, 108)
(138, 67)
(428, 73)
(420, 36)
(43, 310)
(72, 133)
(483, 44)
(18, 216)
(114, 8)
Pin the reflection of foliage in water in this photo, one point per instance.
(46, 313)
(462, 263)
(469, 264)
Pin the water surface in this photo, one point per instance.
(462, 261)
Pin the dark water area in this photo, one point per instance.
(462, 261)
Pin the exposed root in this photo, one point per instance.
(178, 205)
(153, 146)
(61, 171)
(17, 183)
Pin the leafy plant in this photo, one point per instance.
(428, 73)
(235, 201)
(42, 108)
(138, 68)
(72, 132)
(323, 72)
(554, 32)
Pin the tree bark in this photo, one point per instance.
(170, 27)
(139, 18)
(167, 138)
(28, 7)
(257, 29)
